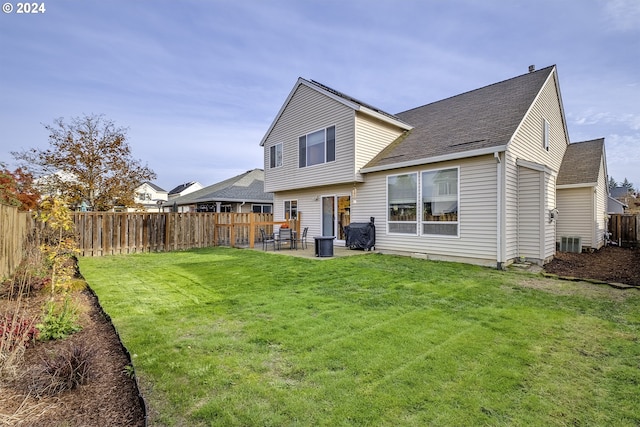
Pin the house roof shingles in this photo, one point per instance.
(581, 163)
(482, 118)
(248, 187)
(180, 188)
(351, 99)
(154, 186)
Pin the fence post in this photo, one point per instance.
(252, 229)
(232, 231)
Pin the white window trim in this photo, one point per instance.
(262, 206)
(457, 235)
(416, 222)
(284, 207)
(306, 135)
(419, 207)
(276, 165)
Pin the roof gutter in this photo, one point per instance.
(436, 159)
(583, 185)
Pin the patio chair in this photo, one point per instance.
(302, 239)
(286, 236)
(266, 240)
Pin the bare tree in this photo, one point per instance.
(89, 160)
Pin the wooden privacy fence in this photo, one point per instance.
(109, 233)
(14, 229)
(624, 229)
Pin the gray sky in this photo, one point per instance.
(198, 83)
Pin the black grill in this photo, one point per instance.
(361, 235)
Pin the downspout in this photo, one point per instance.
(240, 207)
(499, 232)
(594, 227)
(517, 209)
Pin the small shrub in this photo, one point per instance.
(30, 277)
(59, 322)
(16, 334)
(15, 331)
(13, 290)
(129, 371)
(63, 371)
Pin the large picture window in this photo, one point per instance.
(434, 206)
(440, 202)
(402, 199)
(275, 156)
(317, 147)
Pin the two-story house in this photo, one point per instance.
(469, 178)
(149, 196)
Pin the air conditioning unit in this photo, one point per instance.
(571, 244)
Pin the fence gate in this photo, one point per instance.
(624, 229)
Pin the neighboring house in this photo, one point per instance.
(623, 195)
(242, 193)
(615, 206)
(48, 185)
(150, 196)
(582, 194)
(184, 189)
(470, 178)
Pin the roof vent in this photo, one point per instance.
(532, 68)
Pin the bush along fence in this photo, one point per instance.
(624, 229)
(113, 233)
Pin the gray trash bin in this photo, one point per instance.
(324, 246)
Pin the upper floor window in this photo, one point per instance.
(317, 147)
(275, 156)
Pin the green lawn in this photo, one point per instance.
(239, 337)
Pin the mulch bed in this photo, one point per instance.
(109, 398)
(609, 264)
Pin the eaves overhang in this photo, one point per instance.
(536, 166)
(580, 185)
(436, 159)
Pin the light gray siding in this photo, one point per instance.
(372, 136)
(601, 196)
(477, 242)
(575, 206)
(549, 224)
(583, 211)
(309, 111)
(530, 216)
(528, 144)
(310, 205)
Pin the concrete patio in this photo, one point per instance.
(309, 251)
